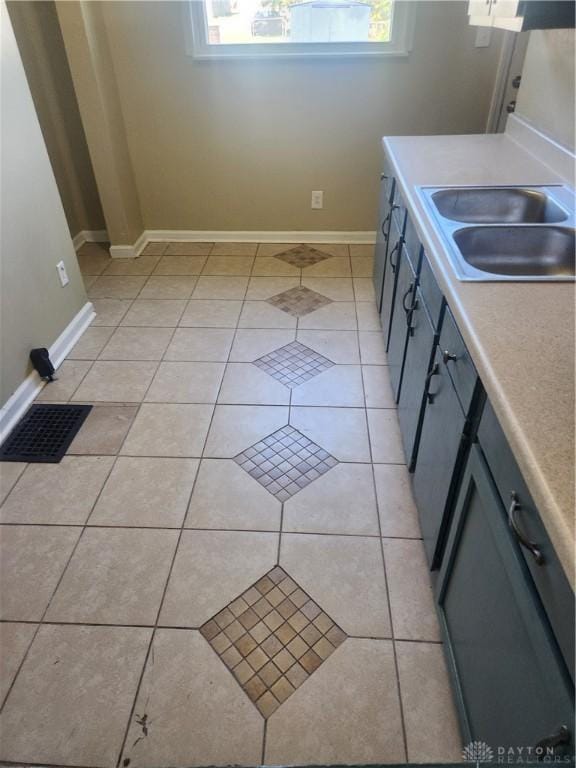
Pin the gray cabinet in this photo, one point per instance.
(521, 15)
(400, 320)
(510, 684)
(383, 232)
(390, 277)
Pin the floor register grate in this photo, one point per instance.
(44, 433)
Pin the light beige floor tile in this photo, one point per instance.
(339, 346)
(127, 287)
(220, 287)
(385, 439)
(202, 344)
(110, 311)
(143, 265)
(61, 493)
(234, 249)
(253, 343)
(410, 589)
(83, 680)
(260, 314)
(364, 289)
(237, 427)
(157, 313)
(10, 471)
(186, 383)
(155, 249)
(270, 266)
(180, 265)
(90, 344)
(341, 501)
(32, 560)
(430, 718)
(339, 316)
(245, 383)
(168, 287)
(189, 249)
(14, 641)
(335, 288)
(115, 576)
(89, 280)
(398, 514)
(93, 261)
(211, 314)
(104, 430)
(116, 382)
(337, 266)
(377, 386)
(262, 288)
(372, 348)
(137, 344)
(362, 249)
(168, 430)
(339, 386)
(362, 266)
(228, 265)
(68, 377)
(199, 715)
(348, 712)
(344, 575)
(340, 431)
(368, 318)
(225, 496)
(211, 569)
(146, 492)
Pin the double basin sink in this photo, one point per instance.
(506, 233)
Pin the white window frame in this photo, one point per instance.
(197, 44)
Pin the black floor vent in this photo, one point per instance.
(44, 433)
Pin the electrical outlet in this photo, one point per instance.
(317, 199)
(62, 274)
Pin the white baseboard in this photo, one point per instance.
(89, 236)
(290, 236)
(18, 403)
(129, 251)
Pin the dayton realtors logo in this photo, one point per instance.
(479, 752)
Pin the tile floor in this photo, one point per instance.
(226, 568)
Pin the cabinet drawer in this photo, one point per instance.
(551, 583)
(457, 361)
(431, 293)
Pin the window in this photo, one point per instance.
(285, 28)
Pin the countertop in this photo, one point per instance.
(520, 335)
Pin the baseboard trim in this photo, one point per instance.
(18, 403)
(289, 236)
(129, 251)
(89, 236)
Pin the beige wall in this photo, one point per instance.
(240, 145)
(34, 308)
(546, 95)
(42, 50)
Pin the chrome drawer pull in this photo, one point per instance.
(520, 538)
(434, 371)
(447, 356)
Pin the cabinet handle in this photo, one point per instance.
(447, 356)
(386, 220)
(520, 537)
(383, 177)
(406, 294)
(392, 252)
(562, 736)
(434, 371)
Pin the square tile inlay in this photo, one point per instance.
(302, 256)
(272, 637)
(299, 301)
(285, 462)
(293, 364)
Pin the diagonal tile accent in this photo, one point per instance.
(272, 637)
(293, 364)
(299, 301)
(285, 462)
(303, 256)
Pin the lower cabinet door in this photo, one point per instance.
(417, 363)
(404, 299)
(441, 448)
(512, 689)
(381, 248)
(390, 278)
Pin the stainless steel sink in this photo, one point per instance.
(505, 233)
(500, 205)
(518, 251)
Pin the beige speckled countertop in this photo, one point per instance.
(520, 335)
